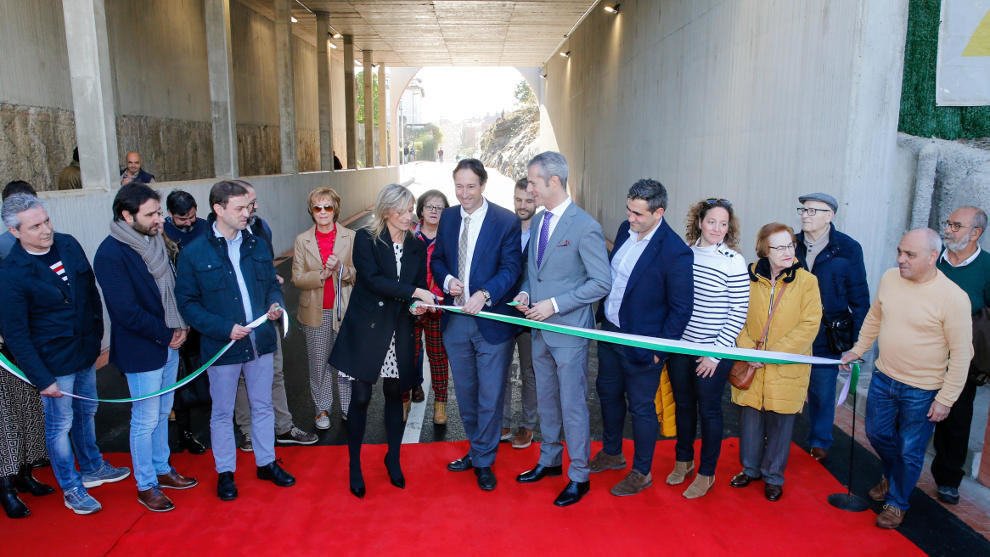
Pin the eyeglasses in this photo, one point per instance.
(955, 226)
(810, 211)
(783, 248)
(718, 201)
(433, 207)
(322, 208)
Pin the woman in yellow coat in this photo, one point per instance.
(775, 397)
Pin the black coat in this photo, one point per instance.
(379, 307)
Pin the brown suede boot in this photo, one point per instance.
(681, 471)
(633, 483)
(440, 413)
(699, 487)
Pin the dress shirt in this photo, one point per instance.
(474, 229)
(967, 261)
(524, 238)
(234, 254)
(623, 263)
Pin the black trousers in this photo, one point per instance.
(951, 440)
(357, 418)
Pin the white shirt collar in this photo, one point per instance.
(970, 259)
(479, 212)
(558, 211)
(219, 235)
(649, 236)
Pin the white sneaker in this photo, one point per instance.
(322, 421)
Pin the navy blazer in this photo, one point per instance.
(496, 265)
(139, 338)
(49, 334)
(659, 296)
(379, 307)
(209, 298)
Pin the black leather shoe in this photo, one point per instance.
(189, 442)
(395, 473)
(741, 480)
(12, 504)
(356, 480)
(24, 482)
(462, 464)
(572, 493)
(226, 489)
(275, 474)
(486, 478)
(538, 473)
(773, 492)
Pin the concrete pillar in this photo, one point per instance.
(382, 116)
(91, 77)
(323, 89)
(369, 111)
(349, 102)
(220, 63)
(286, 89)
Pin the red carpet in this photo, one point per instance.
(444, 513)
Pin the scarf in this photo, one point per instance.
(155, 255)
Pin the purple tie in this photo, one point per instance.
(544, 237)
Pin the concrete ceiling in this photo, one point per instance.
(442, 32)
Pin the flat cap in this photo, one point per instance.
(823, 197)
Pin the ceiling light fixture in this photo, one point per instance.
(565, 54)
(337, 35)
(333, 46)
(293, 19)
(612, 9)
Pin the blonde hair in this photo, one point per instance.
(320, 193)
(392, 197)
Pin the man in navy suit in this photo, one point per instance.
(478, 260)
(653, 295)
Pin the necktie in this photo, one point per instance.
(544, 237)
(462, 253)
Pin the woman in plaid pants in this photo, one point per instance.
(428, 209)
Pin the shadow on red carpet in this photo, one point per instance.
(442, 512)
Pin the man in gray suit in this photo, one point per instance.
(566, 271)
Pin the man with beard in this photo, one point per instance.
(146, 331)
(133, 173)
(525, 204)
(182, 225)
(965, 264)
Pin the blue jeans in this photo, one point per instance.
(821, 405)
(694, 396)
(897, 426)
(149, 422)
(65, 414)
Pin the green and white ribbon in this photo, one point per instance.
(665, 345)
(9, 366)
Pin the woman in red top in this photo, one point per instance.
(428, 209)
(323, 272)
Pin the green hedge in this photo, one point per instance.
(919, 115)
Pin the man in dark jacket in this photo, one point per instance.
(837, 261)
(52, 321)
(146, 331)
(226, 280)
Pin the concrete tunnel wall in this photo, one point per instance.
(754, 101)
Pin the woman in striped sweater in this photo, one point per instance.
(721, 298)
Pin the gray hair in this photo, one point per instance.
(979, 219)
(392, 196)
(934, 239)
(17, 204)
(551, 163)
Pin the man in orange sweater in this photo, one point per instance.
(921, 320)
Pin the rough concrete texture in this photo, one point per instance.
(258, 149)
(307, 150)
(170, 149)
(35, 143)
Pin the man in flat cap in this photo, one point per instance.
(837, 261)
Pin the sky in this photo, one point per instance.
(458, 93)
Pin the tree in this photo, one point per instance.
(524, 94)
(359, 82)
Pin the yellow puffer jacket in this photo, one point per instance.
(780, 388)
(665, 405)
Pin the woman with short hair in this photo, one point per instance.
(376, 336)
(786, 295)
(323, 271)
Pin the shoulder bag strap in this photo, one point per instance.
(773, 309)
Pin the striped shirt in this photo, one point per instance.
(721, 296)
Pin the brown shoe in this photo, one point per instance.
(405, 410)
(633, 483)
(440, 413)
(175, 480)
(681, 471)
(522, 439)
(154, 500)
(604, 461)
(699, 487)
(506, 435)
(818, 453)
(417, 394)
(879, 491)
(890, 518)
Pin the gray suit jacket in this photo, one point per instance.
(575, 271)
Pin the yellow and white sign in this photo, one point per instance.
(963, 74)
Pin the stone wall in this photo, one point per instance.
(258, 149)
(35, 143)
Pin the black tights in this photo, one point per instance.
(357, 418)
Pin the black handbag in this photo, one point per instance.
(839, 333)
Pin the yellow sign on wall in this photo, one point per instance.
(963, 74)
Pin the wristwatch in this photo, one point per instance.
(488, 297)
